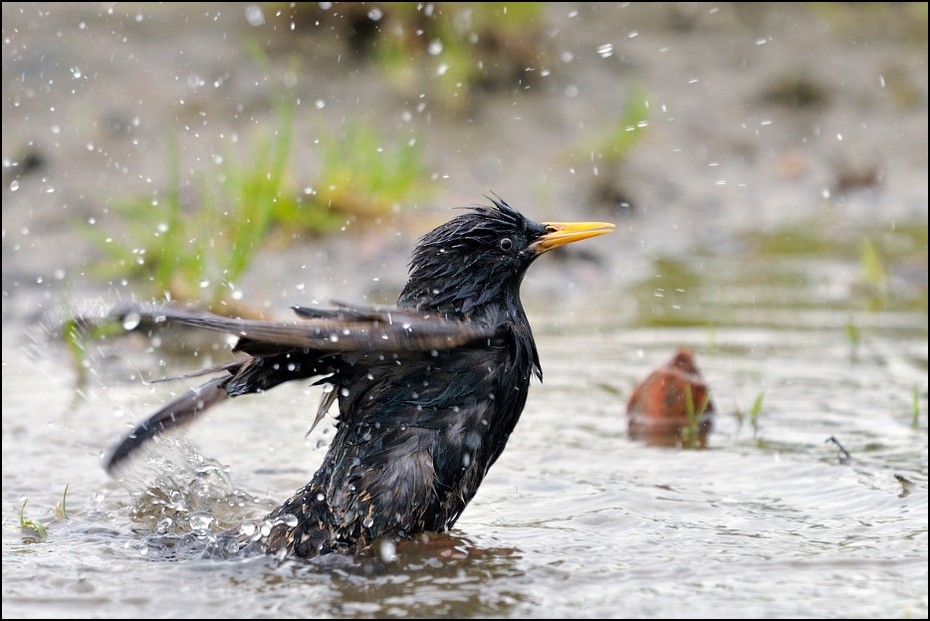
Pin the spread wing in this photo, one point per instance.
(317, 343)
(344, 329)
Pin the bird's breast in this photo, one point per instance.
(417, 434)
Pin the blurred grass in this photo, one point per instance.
(613, 144)
(448, 50)
(196, 245)
(196, 239)
(358, 177)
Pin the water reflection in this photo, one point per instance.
(445, 576)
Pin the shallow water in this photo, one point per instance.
(745, 241)
(574, 520)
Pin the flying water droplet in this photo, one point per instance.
(254, 15)
(247, 529)
(388, 551)
(131, 321)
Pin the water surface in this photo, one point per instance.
(574, 520)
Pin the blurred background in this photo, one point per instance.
(208, 152)
(765, 164)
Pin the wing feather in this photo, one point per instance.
(344, 329)
(316, 343)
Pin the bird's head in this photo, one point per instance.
(477, 260)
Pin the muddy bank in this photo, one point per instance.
(759, 115)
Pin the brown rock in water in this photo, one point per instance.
(658, 409)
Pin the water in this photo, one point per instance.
(785, 244)
(574, 520)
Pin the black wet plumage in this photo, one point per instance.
(428, 392)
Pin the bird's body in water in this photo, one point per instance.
(428, 392)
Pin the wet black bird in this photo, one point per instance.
(428, 392)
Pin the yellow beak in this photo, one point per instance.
(561, 233)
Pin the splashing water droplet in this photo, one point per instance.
(201, 520)
(388, 551)
(254, 15)
(131, 321)
(164, 526)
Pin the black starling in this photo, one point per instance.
(428, 392)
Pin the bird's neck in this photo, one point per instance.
(490, 300)
(501, 309)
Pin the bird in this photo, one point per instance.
(672, 406)
(428, 391)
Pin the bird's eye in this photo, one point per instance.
(506, 244)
